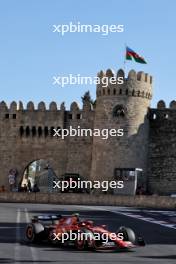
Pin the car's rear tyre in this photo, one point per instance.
(30, 233)
(128, 234)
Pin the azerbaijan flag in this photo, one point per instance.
(130, 54)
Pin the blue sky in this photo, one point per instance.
(31, 54)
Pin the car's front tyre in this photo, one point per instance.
(128, 234)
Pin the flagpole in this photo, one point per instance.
(125, 58)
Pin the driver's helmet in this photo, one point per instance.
(76, 215)
(89, 223)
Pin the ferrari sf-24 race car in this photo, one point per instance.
(70, 230)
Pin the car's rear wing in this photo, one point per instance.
(46, 218)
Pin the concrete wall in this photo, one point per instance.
(85, 199)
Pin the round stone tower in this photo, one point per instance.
(122, 106)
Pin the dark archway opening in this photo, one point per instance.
(38, 176)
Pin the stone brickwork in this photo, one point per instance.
(152, 201)
(162, 149)
(131, 150)
(26, 135)
(149, 141)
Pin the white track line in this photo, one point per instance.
(32, 249)
(146, 219)
(17, 246)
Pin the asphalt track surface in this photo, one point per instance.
(157, 227)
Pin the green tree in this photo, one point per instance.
(87, 98)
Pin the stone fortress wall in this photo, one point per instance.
(133, 98)
(162, 149)
(26, 134)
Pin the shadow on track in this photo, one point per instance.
(161, 257)
(8, 260)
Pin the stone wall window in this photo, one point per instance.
(40, 131)
(14, 116)
(46, 132)
(21, 131)
(6, 116)
(119, 111)
(79, 116)
(70, 116)
(166, 116)
(154, 116)
(33, 131)
(27, 131)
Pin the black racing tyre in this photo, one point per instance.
(80, 243)
(31, 234)
(128, 234)
(97, 245)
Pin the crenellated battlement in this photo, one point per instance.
(39, 122)
(53, 107)
(14, 106)
(137, 84)
(132, 75)
(31, 118)
(161, 105)
(162, 112)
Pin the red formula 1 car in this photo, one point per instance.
(69, 230)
